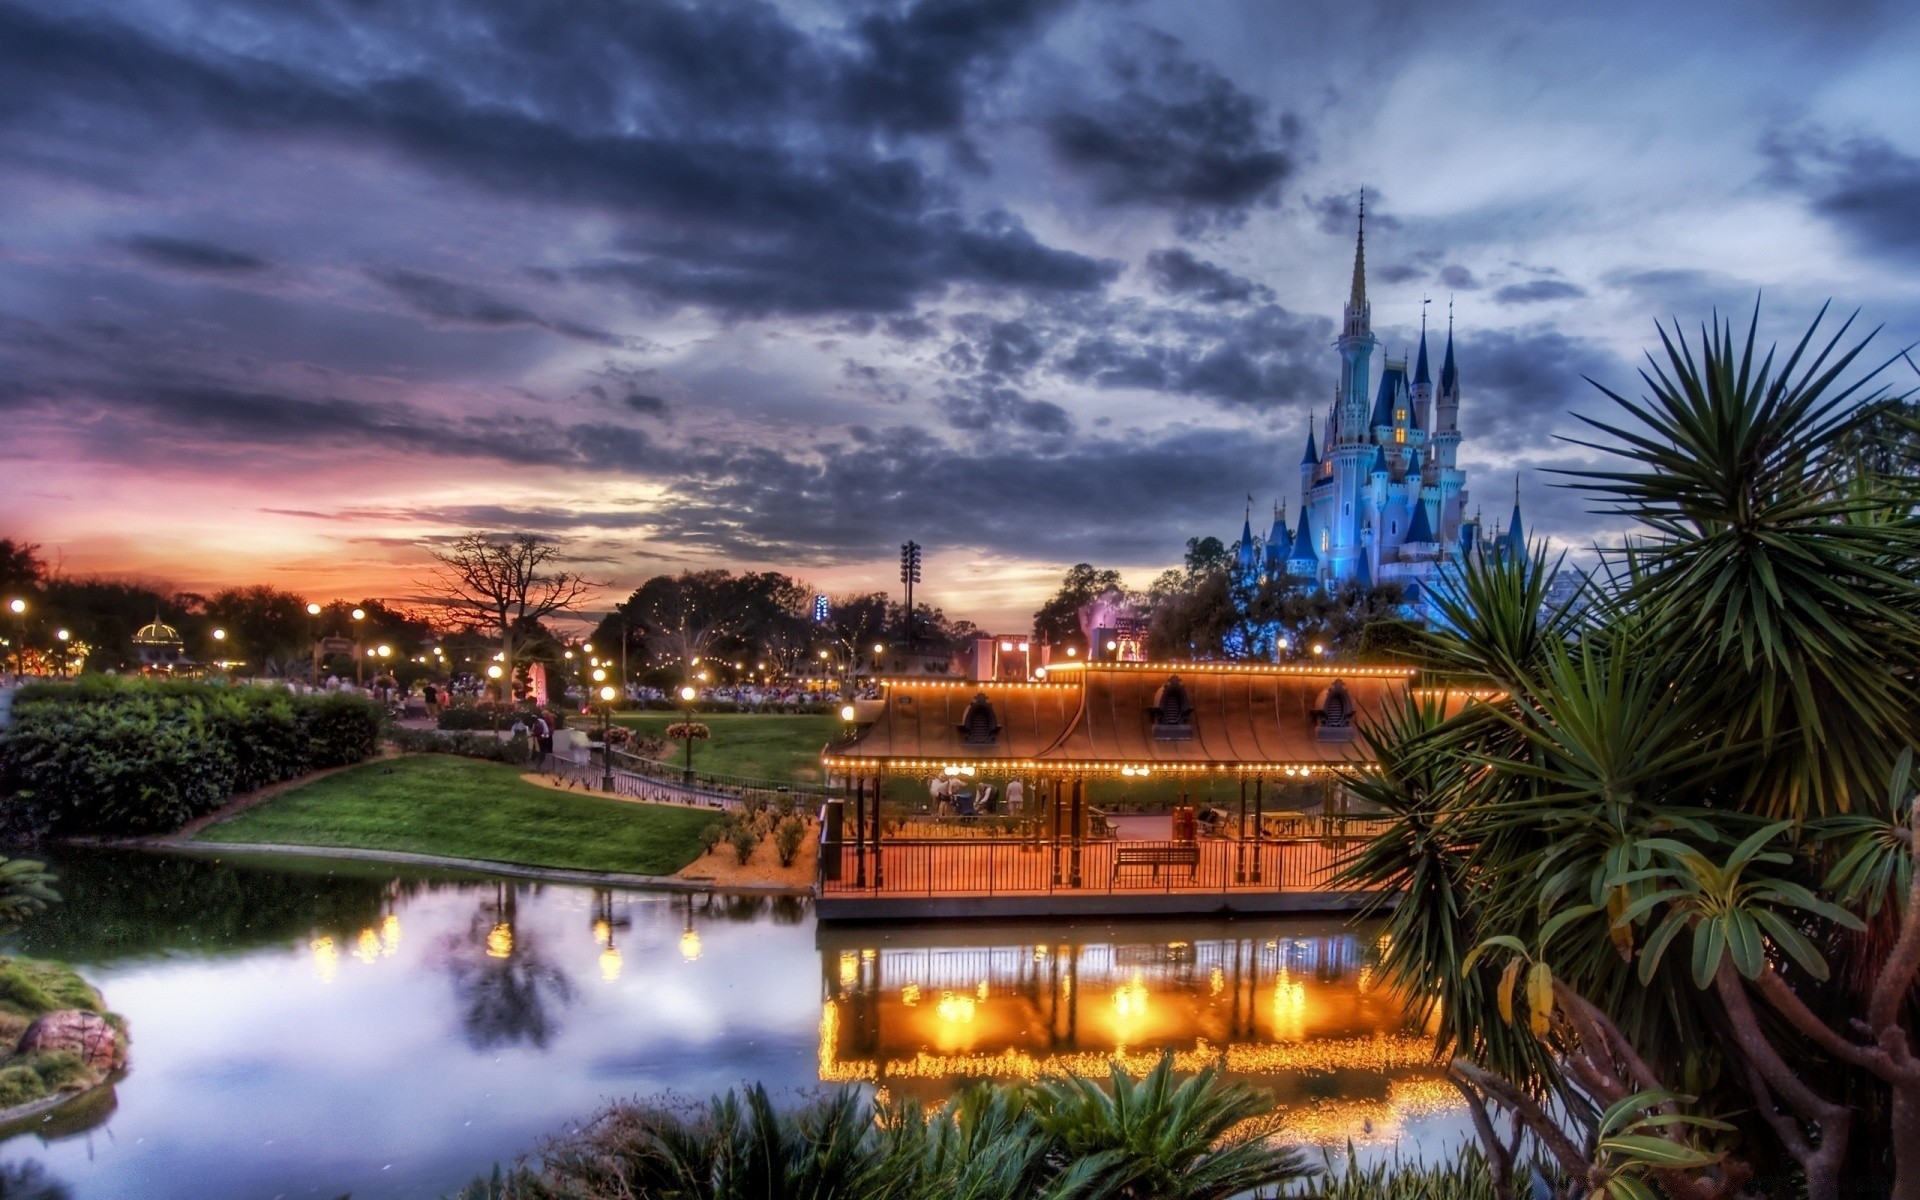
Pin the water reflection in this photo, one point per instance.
(433, 1023)
(509, 991)
(919, 1012)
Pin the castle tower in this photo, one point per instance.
(1448, 476)
(1356, 346)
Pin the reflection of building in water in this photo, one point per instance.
(1288, 1007)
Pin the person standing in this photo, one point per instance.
(543, 733)
(1016, 797)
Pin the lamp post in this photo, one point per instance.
(607, 693)
(65, 636)
(687, 697)
(220, 648)
(18, 608)
(359, 672)
(493, 673)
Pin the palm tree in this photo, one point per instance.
(1625, 869)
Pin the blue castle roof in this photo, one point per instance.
(1420, 375)
(1392, 380)
(1380, 466)
(1312, 457)
(1279, 541)
(1422, 529)
(1303, 551)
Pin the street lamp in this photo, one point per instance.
(359, 671)
(687, 697)
(64, 637)
(607, 694)
(18, 608)
(493, 673)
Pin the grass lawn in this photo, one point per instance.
(464, 808)
(777, 746)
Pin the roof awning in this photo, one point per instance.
(1140, 716)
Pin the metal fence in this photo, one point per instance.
(730, 789)
(1006, 866)
(592, 777)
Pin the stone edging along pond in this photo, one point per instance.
(664, 883)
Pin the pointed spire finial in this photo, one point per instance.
(1358, 298)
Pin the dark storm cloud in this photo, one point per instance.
(449, 301)
(1535, 291)
(1518, 385)
(650, 406)
(191, 254)
(1459, 279)
(1260, 359)
(916, 64)
(1178, 135)
(1864, 185)
(727, 206)
(980, 406)
(1176, 272)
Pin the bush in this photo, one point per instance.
(129, 756)
(787, 839)
(513, 751)
(712, 836)
(482, 716)
(743, 840)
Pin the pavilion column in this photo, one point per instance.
(1240, 842)
(1055, 804)
(1259, 825)
(860, 831)
(1079, 829)
(879, 860)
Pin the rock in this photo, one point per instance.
(86, 1034)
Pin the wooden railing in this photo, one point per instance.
(1002, 866)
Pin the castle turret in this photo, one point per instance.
(1304, 559)
(1279, 542)
(1356, 344)
(1422, 389)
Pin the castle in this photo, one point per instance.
(1382, 495)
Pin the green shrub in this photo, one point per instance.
(20, 1083)
(58, 1069)
(340, 729)
(743, 841)
(513, 751)
(483, 716)
(712, 836)
(787, 839)
(128, 756)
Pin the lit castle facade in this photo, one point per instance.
(1382, 495)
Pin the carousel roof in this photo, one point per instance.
(1179, 716)
(158, 633)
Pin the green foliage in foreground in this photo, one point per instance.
(113, 756)
(461, 808)
(1157, 1138)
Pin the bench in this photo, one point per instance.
(1156, 855)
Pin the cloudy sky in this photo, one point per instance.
(289, 288)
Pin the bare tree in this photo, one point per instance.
(505, 582)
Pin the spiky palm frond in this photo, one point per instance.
(1789, 588)
(1164, 1138)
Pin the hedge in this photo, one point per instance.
(136, 757)
(476, 717)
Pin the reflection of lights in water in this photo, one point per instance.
(981, 991)
(1066, 986)
(1364, 980)
(1039, 954)
(1378, 1054)
(849, 968)
(869, 955)
(689, 945)
(326, 958)
(955, 1009)
(610, 964)
(390, 936)
(1289, 1008)
(602, 933)
(500, 941)
(910, 995)
(1360, 1122)
(1217, 981)
(367, 947)
(1130, 999)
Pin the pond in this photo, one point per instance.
(307, 1029)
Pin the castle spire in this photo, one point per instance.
(1358, 299)
(1449, 377)
(1420, 374)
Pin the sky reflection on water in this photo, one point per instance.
(313, 1030)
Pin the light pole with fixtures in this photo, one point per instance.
(359, 672)
(687, 697)
(607, 693)
(18, 608)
